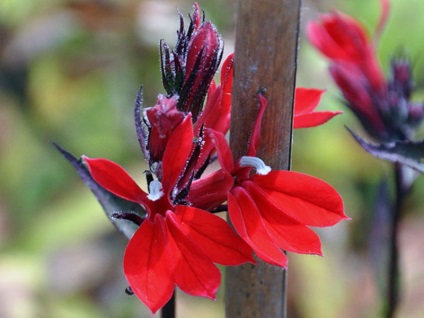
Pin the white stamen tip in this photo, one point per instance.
(155, 190)
(254, 162)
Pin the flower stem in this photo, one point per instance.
(402, 187)
(168, 311)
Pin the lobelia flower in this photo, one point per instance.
(175, 244)
(382, 105)
(271, 210)
(179, 240)
(204, 193)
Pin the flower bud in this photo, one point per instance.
(203, 58)
(162, 119)
(401, 82)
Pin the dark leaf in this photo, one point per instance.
(168, 76)
(408, 153)
(111, 203)
(140, 124)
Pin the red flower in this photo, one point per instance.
(383, 106)
(271, 210)
(354, 64)
(355, 68)
(343, 39)
(217, 111)
(179, 239)
(306, 100)
(175, 244)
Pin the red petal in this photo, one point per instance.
(163, 118)
(216, 238)
(176, 153)
(385, 10)
(355, 88)
(343, 39)
(306, 99)
(245, 217)
(287, 233)
(225, 156)
(194, 273)
(208, 192)
(340, 37)
(148, 265)
(115, 179)
(307, 199)
(216, 114)
(205, 44)
(313, 119)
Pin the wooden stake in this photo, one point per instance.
(265, 58)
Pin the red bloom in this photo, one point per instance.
(217, 111)
(175, 244)
(355, 69)
(383, 106)
(306, 100)
(343, 39)
(345, 42)
(271, 211)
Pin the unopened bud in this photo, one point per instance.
(203, 58)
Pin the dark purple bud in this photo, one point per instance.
(172, 70)
(402, 82)
(183, 37)
(203, 58)
(416, 113)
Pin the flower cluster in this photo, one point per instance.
(383, 105)
(180, 238)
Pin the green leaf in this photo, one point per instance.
(111, 203)
(408, 153)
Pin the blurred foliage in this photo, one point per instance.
(69, 73)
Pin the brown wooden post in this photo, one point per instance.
(265, 57)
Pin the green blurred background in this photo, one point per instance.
(69, 73)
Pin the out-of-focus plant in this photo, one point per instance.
(390, 116)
